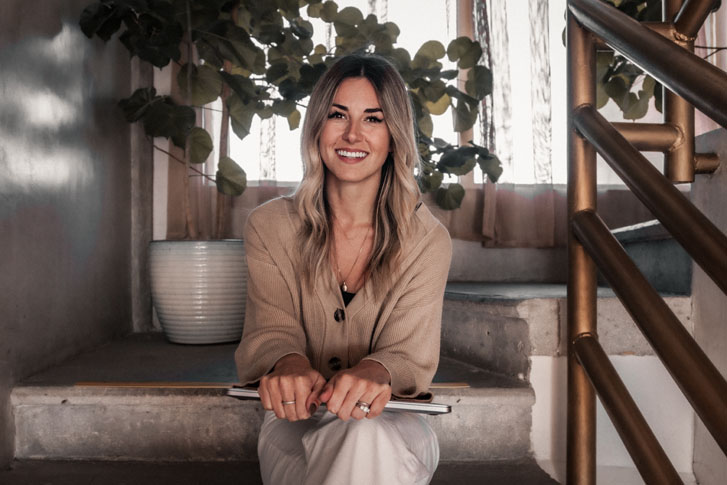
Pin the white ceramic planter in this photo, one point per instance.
(199, 289)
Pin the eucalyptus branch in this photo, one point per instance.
(191, 167)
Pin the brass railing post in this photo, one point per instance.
(679, 160)
(581, 433)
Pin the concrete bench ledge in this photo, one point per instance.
(57, 419)
(500, 326)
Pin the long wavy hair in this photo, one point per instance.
(398, 192)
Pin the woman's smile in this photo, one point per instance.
(350, 155)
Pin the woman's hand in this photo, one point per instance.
(292, 380)
(367, 382)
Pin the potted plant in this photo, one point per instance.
(259, 59)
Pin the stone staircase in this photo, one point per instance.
(491, 332)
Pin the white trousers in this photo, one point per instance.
(391, 449)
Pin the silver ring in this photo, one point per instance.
(285, 403)
(364, 406)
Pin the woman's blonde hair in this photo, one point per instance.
(398, 192)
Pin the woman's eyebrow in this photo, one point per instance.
(367, 110)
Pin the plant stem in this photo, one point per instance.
(190, 229)
(220, 206)
(192, 168)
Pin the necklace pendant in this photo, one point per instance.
(344, 287)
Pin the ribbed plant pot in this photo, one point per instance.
(199, 289)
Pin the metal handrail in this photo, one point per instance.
(694, 373)
(663, 50)
(696, 80)
(648, 455)
(702, 239)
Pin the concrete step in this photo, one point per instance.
(499, 327)
(662, 260)
(521, 472)
(57, 419)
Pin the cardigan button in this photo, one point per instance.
(334, 363)
(339, 315)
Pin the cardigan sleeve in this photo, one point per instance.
(273, 327)
(408, 344)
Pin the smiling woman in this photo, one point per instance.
(345, 293)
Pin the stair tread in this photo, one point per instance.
(32, 472)
(516, 292)
(149, 357)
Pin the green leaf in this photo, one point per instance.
(314, 10)
(283, 107)
(230, 177)
(601, 96)
(349, 16)
(464, 116)
(329, 11)
(199, 144)
(136, 105)
(450, 198)
(206, 83)
(301, 28)
(241, 115)
(427, 55)
(101, 19)
(169, 120)
(277, 73)
(479, 82)
(241, 85)
(491, 166)
(294, 119)
(459, 161)
(425, 124)
(430, 181)
(440, 106)
(464, 50)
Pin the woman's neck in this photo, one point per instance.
(352, 205)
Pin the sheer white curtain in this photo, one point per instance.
(517, 123)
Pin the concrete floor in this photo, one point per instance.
(121, 473)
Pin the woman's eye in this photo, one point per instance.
(335, 114)
(374, 119)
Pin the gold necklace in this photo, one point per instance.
(338, 268)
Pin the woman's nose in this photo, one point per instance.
(352, 133)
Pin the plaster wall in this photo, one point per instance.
(709, 193)
(64, 192)
(664, 407)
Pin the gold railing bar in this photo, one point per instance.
(679, 161)
(581, 421)
(706, 162)
(697, 234)
(664, 29)
(692, 15)
(694, 373)
(648, 455)
(649, 137)
(696, 80)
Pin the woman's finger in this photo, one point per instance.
(303, 386)
(313, 401)
(288, 399)
(275, 397)
(264, 395)
(378, 404)
(362, 408)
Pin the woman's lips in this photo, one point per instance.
(351, 156)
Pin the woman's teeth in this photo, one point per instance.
(347, 154)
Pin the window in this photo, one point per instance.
(271, 152)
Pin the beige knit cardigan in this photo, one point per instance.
(400, 328)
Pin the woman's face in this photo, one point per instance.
(354, 142)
